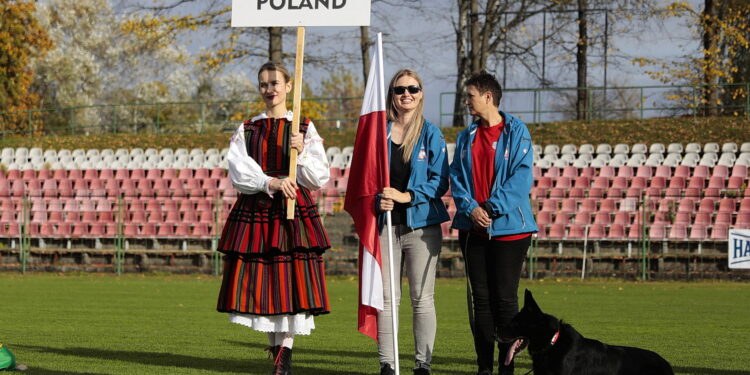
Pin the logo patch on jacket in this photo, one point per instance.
(422, 154)
(494, 145)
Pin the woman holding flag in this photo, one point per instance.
(274, 280)
(418, 178)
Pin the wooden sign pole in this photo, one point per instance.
(297, 110)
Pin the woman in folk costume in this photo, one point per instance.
(274, 280)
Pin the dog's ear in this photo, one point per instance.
(529, 303)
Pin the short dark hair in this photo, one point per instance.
(484, 82)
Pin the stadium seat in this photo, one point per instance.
(720, 232)
(698, 232)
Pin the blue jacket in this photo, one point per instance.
(508, 204)
(428, 180)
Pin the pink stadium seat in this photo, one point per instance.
(576, 232)
(607, 171)
(569, 205)
(91, 174)
(727, 205)
(597, 232)
(682, 171)
(49, 188)
(644, 171)
(656, 232)
(201, 230)
(588, 205)
(724, 218)
(707, 205)
(678, 232)
(112, 187)
(692, 192)
(122, 174)
(701, 171)
(614, 193)
(189, 216)
(582, 182)
(625, 171)
(698, 232)
(219, 173)
(739, 170)
(4, 187)
(616, 232)
(59, 174)
(182, 230)
(620, 182)
(137, 174)
(542, 182)
(169, 173)
(544, 218)
(28, 174)
(185, 173)
(639, 182)
(172, 217)
(206, 217)
(46, 230)
(89, 216)
(720, 232)
(17, 188)
(720, 171)
(664, 171)
(11, 229)
(153, 173)
(702, 218)
(129, 189)
(686, 205)
(137, 217)
(74, 174)
(570, 172)
(561, 218)
(742, 221)
(110, 229)
(554, 193)
(97, 230)
(622, 218)
(552, 172)
(550, 205)
(34, 187)
(682, 218)
(589, 172)
(603, 218)
(595, 192)
(55, 216)
(576, 192)
(97, 188)
(106, 216)
(144, 187)
(697, 182)
(165, 230)
(582, 218)
(148, 230)
(536, 172)
(661, 218)
(210, 186)
(63, 230)
(745, 205)
(130, 230)
(633, 192)
(556, 231)
(106, 174)
(7, 217)
(608, 205)
(667, 204)
(735, 183)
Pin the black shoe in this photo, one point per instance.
(506, 370)
(282, 364)
(484, 372)
(503, 352)
(421, 371)
(386, 369)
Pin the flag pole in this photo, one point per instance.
(389, 227)
(297, 112)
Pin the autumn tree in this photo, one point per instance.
(22, 39)
(722, 37)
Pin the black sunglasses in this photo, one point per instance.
(400, 90)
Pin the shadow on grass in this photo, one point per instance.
(44, 371)
(708, 371)
(251, 365)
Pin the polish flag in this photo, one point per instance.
(368, 175)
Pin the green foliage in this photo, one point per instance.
(161, 324)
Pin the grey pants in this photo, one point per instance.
(418, 251)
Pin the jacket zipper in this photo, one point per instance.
(523, 218)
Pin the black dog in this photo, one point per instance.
(556, 348)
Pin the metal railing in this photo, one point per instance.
(536, 105)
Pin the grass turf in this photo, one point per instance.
(165, 324)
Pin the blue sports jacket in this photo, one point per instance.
(508, 204)
(428, 180)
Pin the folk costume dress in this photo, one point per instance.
(274, 278)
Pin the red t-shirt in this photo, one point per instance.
(483, 168)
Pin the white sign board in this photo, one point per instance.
(266, 13)
(739, 248)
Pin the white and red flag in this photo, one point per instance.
(368, 175)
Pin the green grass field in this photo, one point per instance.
(165, 324)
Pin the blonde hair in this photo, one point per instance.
(275, 67)
(414, 127)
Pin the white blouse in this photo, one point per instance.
(248, 177)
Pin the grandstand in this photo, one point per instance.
(674, 203)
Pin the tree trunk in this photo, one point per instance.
(475, 42)
(275, 51)
(462, 62)
(364, 45)
(710, 41)
(582, 96)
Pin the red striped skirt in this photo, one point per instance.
(272, 265)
